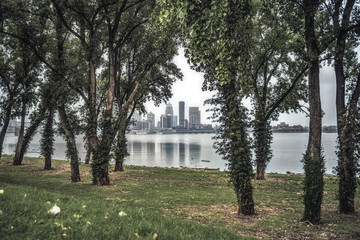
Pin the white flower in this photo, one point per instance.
(84, 206)
(88, 223)
(1, 191)
(76, 215)
(1, 212)
(122, 214)
(54, 210)
(25, 195)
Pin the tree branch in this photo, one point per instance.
(286, 93)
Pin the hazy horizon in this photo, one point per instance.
(189, 91)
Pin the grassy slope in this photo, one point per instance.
(160, 203)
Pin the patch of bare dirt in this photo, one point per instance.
(226, 213)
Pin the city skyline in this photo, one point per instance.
(189, 90)
(170, 118)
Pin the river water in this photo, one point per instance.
(196, 151)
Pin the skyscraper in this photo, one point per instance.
(174, 121)
(182, 113)
(169, 109)
(151, 119)
(163, 122)
(194, 117)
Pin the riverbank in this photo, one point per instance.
(158, 203)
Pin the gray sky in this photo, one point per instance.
(189, 91)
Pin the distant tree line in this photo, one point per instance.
(93, 63)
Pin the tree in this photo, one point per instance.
(111, 25)
(313, 159)
(216, 35)
(233, 142)
(55, 90)
(10, 88)
(155, 85)
(28, 73)
(347, 83)
(275, 75)
(21, 22)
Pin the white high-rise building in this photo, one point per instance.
(194, 117)
(169, 109)
(151, 119)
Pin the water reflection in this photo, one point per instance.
(150, 147)
(167, 149)
(182, 153)
(137, 146)
(190, 149)
(194, 150)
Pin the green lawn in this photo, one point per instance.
(158, 203)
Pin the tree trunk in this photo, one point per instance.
(119, 164)
(346, 117)
(71, 149)
(28, 136)
(101, 156)
(20, 142)
(263, 139)
(47, 141)
(92, 115)
(240, 166)
(121, 142)
(88, 150)
(346, 142)
(100, 165)
(347, 163)
(120, 151)
(313, 160)
(5, 126)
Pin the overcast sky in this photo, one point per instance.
(189, 91)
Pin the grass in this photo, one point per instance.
(159, 203)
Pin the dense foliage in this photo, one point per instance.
(104, 59)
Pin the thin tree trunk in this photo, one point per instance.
(47, 141)
(263, 152)
(5, 127)
(121, 148)
(120, 151)
(71, 148)
(28, 136)
(88, 150)
(92, 117)
(20, 142)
